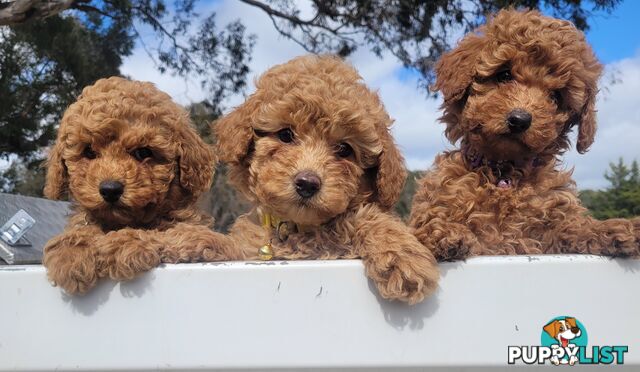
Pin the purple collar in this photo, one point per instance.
(505, 174)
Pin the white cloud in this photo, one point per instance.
(618, 127)
(417, 131)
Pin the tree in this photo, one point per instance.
(621, 198)
(44, 63)
(43, 67)
(416, 32)
(403, 206)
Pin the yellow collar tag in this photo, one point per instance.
(282, 230)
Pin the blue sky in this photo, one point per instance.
(616, 36)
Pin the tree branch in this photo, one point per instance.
(19, 11)
(294, 20)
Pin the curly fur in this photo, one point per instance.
(462, 206)
(323, 101)
(154, 220)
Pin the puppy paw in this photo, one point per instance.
(128, 263)
(624, 248)
(123, 254)
(407, 278)
(452, 249)
(75, 272)
(200, 244)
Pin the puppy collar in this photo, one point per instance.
(505, 172)
(279, 228)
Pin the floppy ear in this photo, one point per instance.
(56, 180)
(233, 134)
(552, 329)
(588, 73)
(587, 124)
(196, 162)
(234, 139)
(391, 172)
(455, 72)
(571, 321)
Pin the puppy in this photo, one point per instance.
(133, 167)
(563, 330)
(311, 149)
(513, 90)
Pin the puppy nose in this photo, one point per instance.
(518, 120)
(307, 184)
(111, 190)
(575, 330)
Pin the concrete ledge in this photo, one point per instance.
(313, 314)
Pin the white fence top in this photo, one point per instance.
(314, 314)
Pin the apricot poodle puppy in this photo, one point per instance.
(312, 149)
(513, 90)
(133, 167)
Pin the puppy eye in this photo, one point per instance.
(344, 150)
(142, 153)
(504, 76)
(285, 135)
(556, 97)
(89, 153)
(260, 133)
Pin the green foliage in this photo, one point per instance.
(202, 115)
(223, 202)
(23, 179)
(403, 206)
(621, 198)
(43, 67)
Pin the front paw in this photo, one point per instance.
(75, 272)
(624, 248)
(200, 245)
(625, 239)
(123, 254)
(128, 262)
(452, 248)
(408, 278)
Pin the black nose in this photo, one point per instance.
(307, 184)
(575, 330)
(111, 190)
(518, 120)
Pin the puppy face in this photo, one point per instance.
(563, 330)
(310, 168)
(311, 143)
(517, 86)
(122, 173)
(126, 153)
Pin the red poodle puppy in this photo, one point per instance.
(133, 167)
(513, 90)
(312, 149)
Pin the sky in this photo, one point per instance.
(615, 39)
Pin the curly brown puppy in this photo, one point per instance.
(513, 90)
(312, 149)
(133, 167)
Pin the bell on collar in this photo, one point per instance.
(265, 253)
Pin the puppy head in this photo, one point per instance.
(518, 84)
(126, 152)
(566, 328)
(311, 142)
